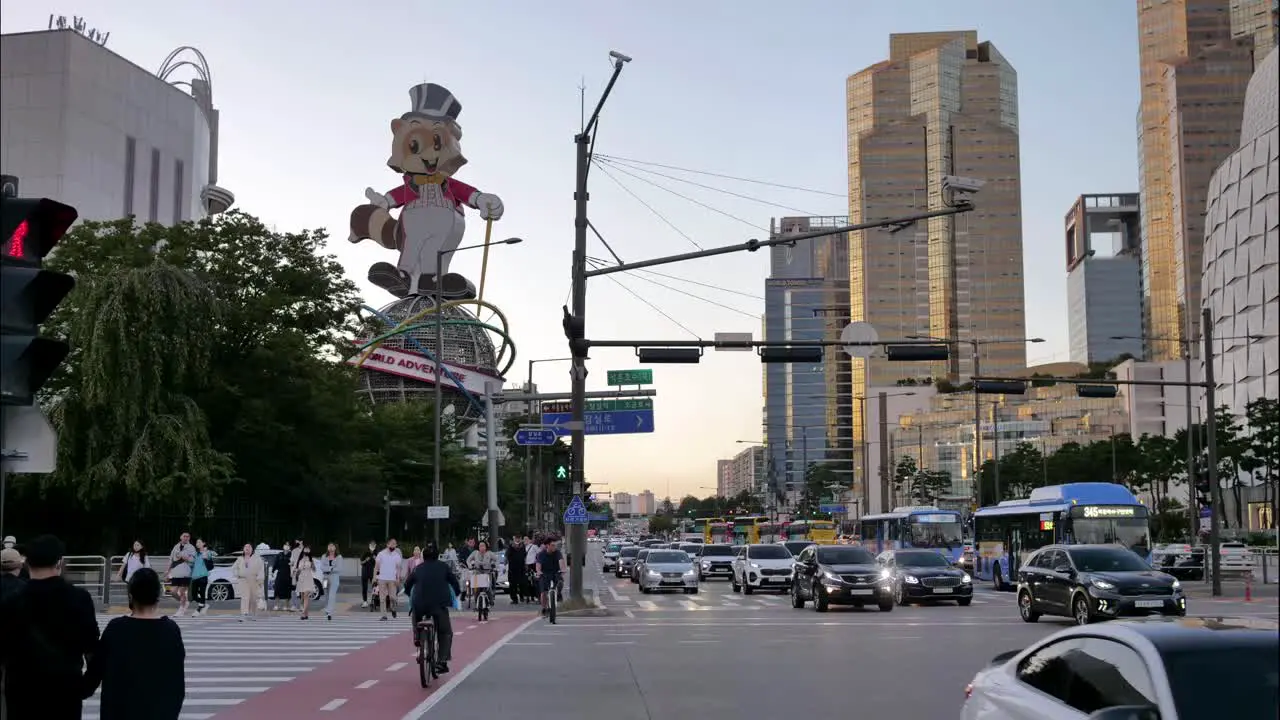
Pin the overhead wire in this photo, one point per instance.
(712, 188)
(709, 286)
(684, 197)
(646, 301)
(617, 159)
(730, 308)
(647, 206)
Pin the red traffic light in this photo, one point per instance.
(31, 228)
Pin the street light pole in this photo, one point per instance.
(531, 500)
(1211, 444)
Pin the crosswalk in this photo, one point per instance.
(715, 598)
(229, 662)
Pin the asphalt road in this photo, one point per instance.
(720, 655)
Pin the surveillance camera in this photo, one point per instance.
(619, 56)
(962, 184)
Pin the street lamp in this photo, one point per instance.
(533, 501)
(437, 489)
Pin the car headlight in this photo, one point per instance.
(653, 574)
(910, 580)
(1176, 585)
(885, 574)
(965, 579)
(831, 577)
(690, 573)
(1102, 584)
(754, 566)
(706, 564)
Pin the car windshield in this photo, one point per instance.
(691, 549)
(630, 552)
(795, 547)
(613, 548)
(1106, 560)
(717, 551)
(659, 557)
(844, 556)
(768, 552)
(920, 559)
(1245, 682)
(643, 554)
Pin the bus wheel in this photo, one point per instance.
(997, 582)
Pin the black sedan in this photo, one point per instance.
(925, 575)
(1095, 582)
(839, 575)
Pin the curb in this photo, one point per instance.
(598, 609)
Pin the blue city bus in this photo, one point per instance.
(914, 526)
(1085, 513)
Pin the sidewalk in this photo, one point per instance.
(1232, 590)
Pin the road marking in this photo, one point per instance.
(472, 627)
(690, 605)
(616, 642)
(425, 706)
(362, 686)
(698, 642)
(629, 614)
(614, 593)
(647, 605)
(333, 704)
(396, 667)
(626, 634)
(528, 643)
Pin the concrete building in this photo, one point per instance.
(84, 126)
(746, 472)
(644, 504)
(1104, 278)
(942, 104)
(1194, 68)
(808, 407)
(623, 504)
(1242, 251)
(1157, 410)
(724, 477)
(1260, 20)
(899, 401)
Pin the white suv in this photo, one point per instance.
(763, 567)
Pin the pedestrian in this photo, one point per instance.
(366, 572)
(449, 556)
(465, 551)
(430, 586)
(140, 661)
(201, 565)
(304, 578)
(387, 570)
(133, 561)
(330, 567)
(181, 561)
(412, 562)
(283, 585)
(47, 630)
(293, 563)
(515, 569)
(11, 543)
(531, 549)
(250, 573)
(10, 571)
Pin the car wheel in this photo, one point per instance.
(997, 582)
(820, 603)
(964, 602)
(1027, 607)
(900, 595)
(317, 590)
(644, 590)
(220, 592)
(797, 601)
(886, 605)
(747, 589)
(733, 584)
(1080, 610)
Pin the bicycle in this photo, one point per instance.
(482, 585)
(425, 636)
(551, 594)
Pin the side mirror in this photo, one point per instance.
(1064, 569)
(1127, 712)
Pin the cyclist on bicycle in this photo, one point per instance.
(483, 563)
(549, 568)
(432, 581)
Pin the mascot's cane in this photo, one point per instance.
(484, 261)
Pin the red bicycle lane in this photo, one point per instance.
(380, 680)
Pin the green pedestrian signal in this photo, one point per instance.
(562, 472)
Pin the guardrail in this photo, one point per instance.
(86, 571)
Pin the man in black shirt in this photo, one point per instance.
(49, 629)
(428, 587)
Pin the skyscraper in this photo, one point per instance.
(1194, 74)
(1260, 20)
(1104, 278)
(942, 104)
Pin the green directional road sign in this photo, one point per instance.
(601, 405)
(630, 377)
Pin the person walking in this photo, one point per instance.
(429, 587)
(532, 547)
(293, 598)
(250, 574)
(330, 568)
(134, 560)
(11, 581)
(387, 570)
(201, 565)
(283, 585)
(181, 561)
(515, 569)
(47, 630)
(366, 572)
(140, 660)
(304, 579)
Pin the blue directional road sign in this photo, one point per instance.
(604, 422)
(576, 513)
(831, 508)
(535, 436)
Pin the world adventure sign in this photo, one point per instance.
(417, 367)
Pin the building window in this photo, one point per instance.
(130, 168)
(153, 213)
(177, 190)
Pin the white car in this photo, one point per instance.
(763, 567)
(222, 584)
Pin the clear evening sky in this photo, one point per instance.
(747, 88)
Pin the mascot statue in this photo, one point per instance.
(426, 151)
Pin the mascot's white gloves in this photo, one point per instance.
(489, 205)
(377, 198)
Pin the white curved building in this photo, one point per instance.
(85, 126)
(1241, 278)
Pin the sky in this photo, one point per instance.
(742, 88)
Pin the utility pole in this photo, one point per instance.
(1211, 444)
(883, 404)
(578, 375)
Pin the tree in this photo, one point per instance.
(929, 485)
(1263, 419)
(904, 475)
(689, 507)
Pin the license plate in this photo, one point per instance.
(943, 591)
(862, 592)
(1149, 603)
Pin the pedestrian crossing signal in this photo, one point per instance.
(562, 472)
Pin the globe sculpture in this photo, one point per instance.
(398, 343)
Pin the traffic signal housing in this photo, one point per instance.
(29, 229)
(1097, 391)
(999, 387)
(916, 353)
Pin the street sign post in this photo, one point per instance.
(536, 436)
(576, 513)
(601, 405)
(618, 422)
(629, 377)
(838, 509)
(438, 512)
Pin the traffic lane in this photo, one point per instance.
(719, 669)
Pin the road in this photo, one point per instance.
(716, 655)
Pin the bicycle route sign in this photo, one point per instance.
(576, 513)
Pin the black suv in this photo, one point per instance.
(919, 575)
(716, 561)
(1095, 582)
(839, 575)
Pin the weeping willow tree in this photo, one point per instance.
(131, 436)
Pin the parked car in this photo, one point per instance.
(222, 584)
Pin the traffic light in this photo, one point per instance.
(29, 294)
(916, 353)
(999, 387)
(575, 330)
(561, 472)
(1096, 391)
